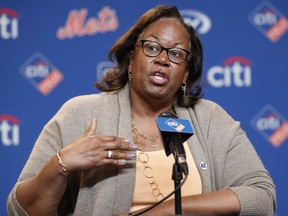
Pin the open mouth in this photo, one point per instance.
(159, 78)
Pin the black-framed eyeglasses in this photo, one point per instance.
(153, 49)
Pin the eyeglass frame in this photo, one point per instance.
(188, 54)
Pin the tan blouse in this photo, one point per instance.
(158, 161)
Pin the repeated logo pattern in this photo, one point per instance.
(271, 125)
(78, 25)
(8, 24)
(9, 130)
(74, 29)
(198, 20)
(236, 71)
(269, 21)
(41, 73)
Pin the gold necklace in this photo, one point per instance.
(152, 140)
(144, 159)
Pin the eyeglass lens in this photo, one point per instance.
(153, 49)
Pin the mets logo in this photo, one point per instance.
(269, 21)
(41, 73)
(236, 71)
(78, 25)
(271, 125)
(198, 20)
(175, 124)
(8, 23)
(9, 130)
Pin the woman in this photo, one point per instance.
(113, 165)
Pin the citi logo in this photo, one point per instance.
(269, 122)
(271, 125)
(174, 124)
(40, 69)
(269, 21)
(9, 130)
(199, 21)
(41, 73)
(267, 17)
(8, 24)
(77, 24)
(236, 71)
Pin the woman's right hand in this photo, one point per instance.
(92, 151)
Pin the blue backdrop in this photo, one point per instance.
(54, 50)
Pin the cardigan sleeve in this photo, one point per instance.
(238, 166)
(61, 130)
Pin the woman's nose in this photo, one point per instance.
(163, 58)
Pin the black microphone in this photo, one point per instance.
(174, 133)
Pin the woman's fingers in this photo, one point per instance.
(114, 154)
(119, 158)
(117, 143)
(113, 148)
(91, 151)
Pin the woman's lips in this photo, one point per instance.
(159, 78)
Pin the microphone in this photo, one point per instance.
(174, 133)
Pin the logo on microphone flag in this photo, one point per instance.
(169, 127)
(175, 125)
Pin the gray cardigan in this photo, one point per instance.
(219, 142)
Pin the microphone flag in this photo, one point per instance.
(171, 125)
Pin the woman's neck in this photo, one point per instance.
(149, 108)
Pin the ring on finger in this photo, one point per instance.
(110, 153)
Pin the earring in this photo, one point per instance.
(129, 77)
(183, 87)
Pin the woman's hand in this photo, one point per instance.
(42, 194)
(91, 151)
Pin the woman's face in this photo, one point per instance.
(158, 77)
